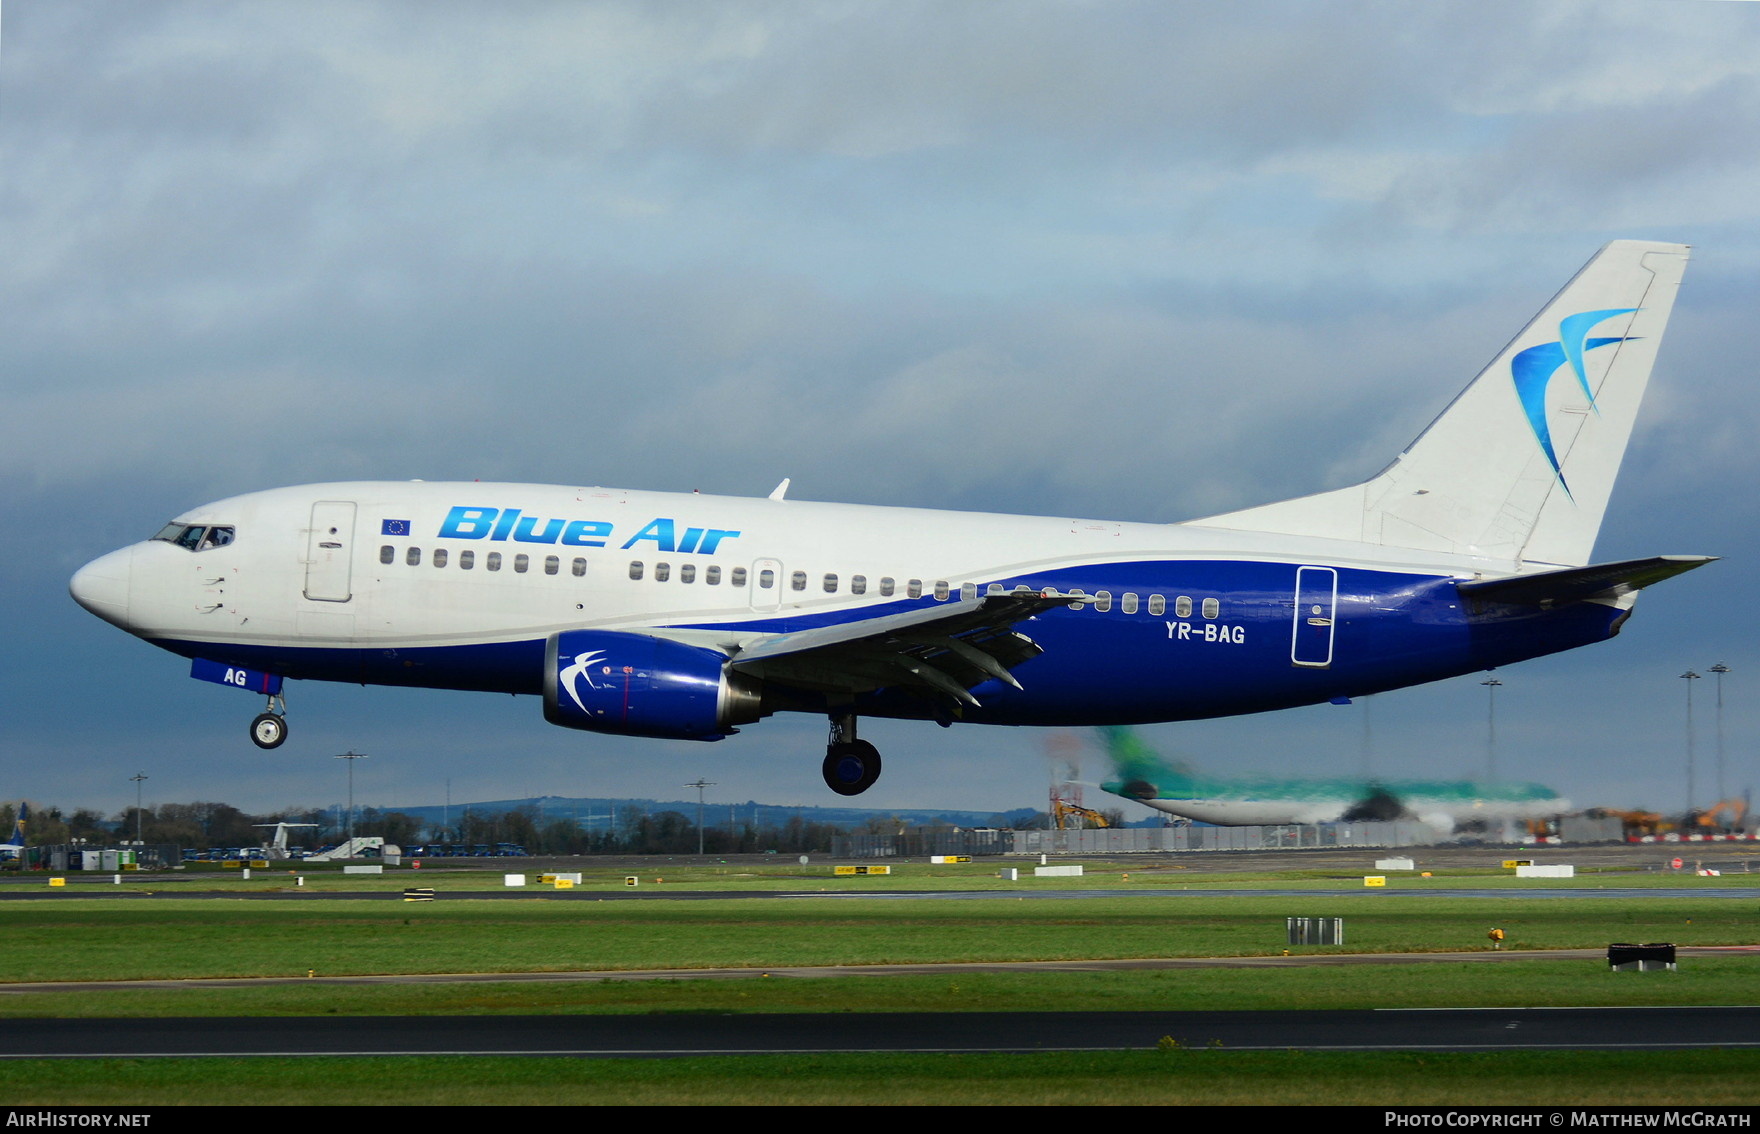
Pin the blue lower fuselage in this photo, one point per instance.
(1259, 643)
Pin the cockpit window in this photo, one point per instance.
(195, 537)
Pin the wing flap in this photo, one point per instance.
(940, 652)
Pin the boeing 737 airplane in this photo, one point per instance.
(685, 616)
(1245, 801)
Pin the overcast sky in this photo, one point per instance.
(1128, 260)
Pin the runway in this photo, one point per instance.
(1496, 1029)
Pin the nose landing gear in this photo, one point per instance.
(851, 766)
(268, 730)
(270, 727)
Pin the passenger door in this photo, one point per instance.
(1316, 606)
(329, 551)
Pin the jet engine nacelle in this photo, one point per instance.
(638, 685)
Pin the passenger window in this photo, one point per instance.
(858, 584)
(1182, 607)
(941, 590)
(737, 577)
(766, 579)
(831, 583)
(635, 569)
(467, 560)
(521, 562)
(388, 554)
(687, 573)
(439, 557)
(1158, 605)
(712, 576)
(968, 591)
(886, 587)
(492, 561)
(993, 589)
(1080, 594)
(552, 564)
(1212, 608)
(914, 589)
(662, 572)
(580, 567)
(798, 580)
(1103, 601)
(1127, 602)
(413, 557)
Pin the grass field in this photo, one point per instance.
(1733, 980)
(1700, 1079)
(120, 939)
(784, 874)
(89, 938)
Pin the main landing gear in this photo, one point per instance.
(270, 727)
(851, 765)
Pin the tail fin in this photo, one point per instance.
(1142, 773)
(1521, 464)
(17, 839)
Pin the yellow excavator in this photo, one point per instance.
(1724, 815)
(1075, 817)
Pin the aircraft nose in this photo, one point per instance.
(101, 586)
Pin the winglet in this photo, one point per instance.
(780, 490)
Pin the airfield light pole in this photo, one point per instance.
(700, 784)
(1692, 786)
(1492, 685)
(1720, 669)
(139, 779)
(351, 756)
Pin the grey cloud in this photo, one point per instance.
(1133, 260)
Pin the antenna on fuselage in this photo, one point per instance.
(780, 490)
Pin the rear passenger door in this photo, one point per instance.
(1316, 605)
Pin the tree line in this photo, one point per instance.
(205, 825)
(200, 824)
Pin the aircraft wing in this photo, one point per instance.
(1579, 584)
(941, 652)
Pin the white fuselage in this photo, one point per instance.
(276, 584)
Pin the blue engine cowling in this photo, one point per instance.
(637, 685)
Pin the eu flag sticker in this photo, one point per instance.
(394, 527)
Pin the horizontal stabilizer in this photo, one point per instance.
(1579, 584)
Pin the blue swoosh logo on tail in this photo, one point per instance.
(1533, 369)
